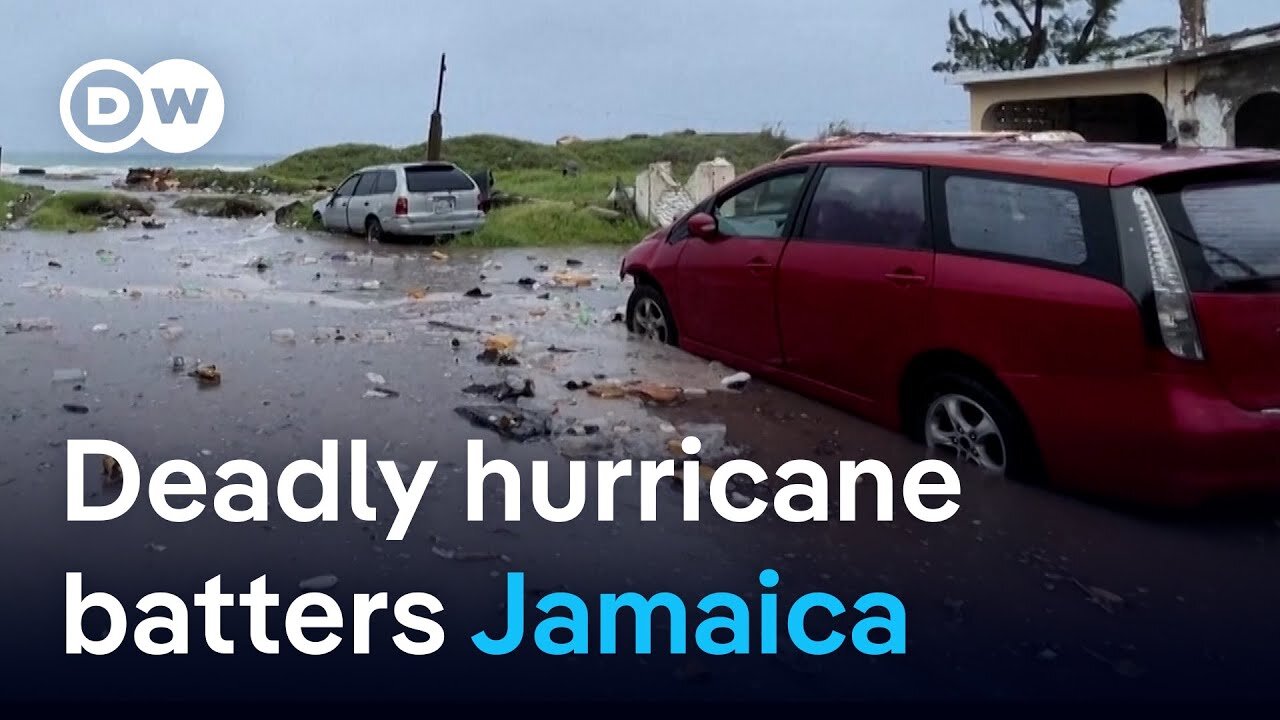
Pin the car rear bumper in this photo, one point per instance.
(1168, 439)
(433, 224)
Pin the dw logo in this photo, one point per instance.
(107, 106)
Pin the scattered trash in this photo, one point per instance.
(577, 385)
(28, 325)
(571, 279)
(101, 328)
(499, 349)
(437, 255)
(155, 547)
(541, 267)
(649, 392)
(476, 292)
(170, 332)
(737, 381)
(69, 375)
(712, 437)
(695, 392)
(75, 409)
(261, 264)
(106, 257)
(619, 315)
(381, 393)
(55, 264)
(207, 375)
(464, 556)
(450, 326)
(370, 285)
(828, 447)
(580, 444)
(319, 583)
(417, 293)
(527, 282)
(153, 224)
(511, 387)
(177, 363)
(1101, 597)
(111, 470)
(375, 378)
(284, 336)
(573, 262)
(510, 422)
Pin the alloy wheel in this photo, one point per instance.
(650, 321)
(958, 424)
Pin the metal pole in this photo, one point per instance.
(435, 135)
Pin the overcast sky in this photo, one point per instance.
(310, 72)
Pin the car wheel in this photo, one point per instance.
(963, 420)
(373, 230)
(318, 218)
(649, 316)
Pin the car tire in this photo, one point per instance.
(649, 315)
(373, 230)
(318, 218)
(965, 421)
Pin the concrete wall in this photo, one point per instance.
(660, 198)
(1200, 98)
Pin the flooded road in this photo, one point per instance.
(1024, 594)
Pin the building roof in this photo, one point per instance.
(1260, 38)
(1094, 163)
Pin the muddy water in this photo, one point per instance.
(1026, 593)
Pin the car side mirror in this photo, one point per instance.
(703, 226)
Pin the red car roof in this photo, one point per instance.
(1094, 163)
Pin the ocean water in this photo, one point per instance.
(95, 164)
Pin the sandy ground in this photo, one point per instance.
(1025, 594)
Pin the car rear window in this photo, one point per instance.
(437, 178)
(1236, 228)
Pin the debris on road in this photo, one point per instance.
(261, 264)
(499, 350)
(512, 387)
(527, 282)
(444, 325)
(417, 293)
(319, 583)
(152, 224)
(284, 336)
(208, 375)
(75, 409)
(101, 328)
(737, 381)
(510, 422)
(572, 262)
(55, 264)
(650, 392)
(461, 555)
(69, 375)
(370, 285)
(437, 255)
(577, 385)
(155, 547)
(28, 325)
(569, 278)
(381, 393)
(476, 292)
(170, 332)
(375, 379)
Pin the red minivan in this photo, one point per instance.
(1103, 317)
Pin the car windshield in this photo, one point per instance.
(1235, 226)
(437, 178)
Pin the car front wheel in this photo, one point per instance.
(373, 230)
(649, 316)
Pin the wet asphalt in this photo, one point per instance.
(1026, 593)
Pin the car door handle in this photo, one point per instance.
(758, 265)
(905, 276)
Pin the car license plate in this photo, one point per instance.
(444, 205)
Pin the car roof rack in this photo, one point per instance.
(863, 139)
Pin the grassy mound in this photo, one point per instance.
(225, 206)
(18, 200)
(598, 159)
(550, 224)
(242, 182)
(87, 210)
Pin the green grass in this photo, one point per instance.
(242, 182)
(549, 224)
(85, 210)
(299, 215)
(600, 159)
(232, 206)
(587, 188)
(25, 198)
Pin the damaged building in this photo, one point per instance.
(1216, 92)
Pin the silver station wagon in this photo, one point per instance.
(424, 200)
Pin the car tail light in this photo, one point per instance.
(402, 206)
(1173, 302)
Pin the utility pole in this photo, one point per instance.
(1193, 28)
(435, 135)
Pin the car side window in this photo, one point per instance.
(761, 209)
(386, 182)
(366, 184)
(869, 206)
(348, 187)
(1020, 219)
